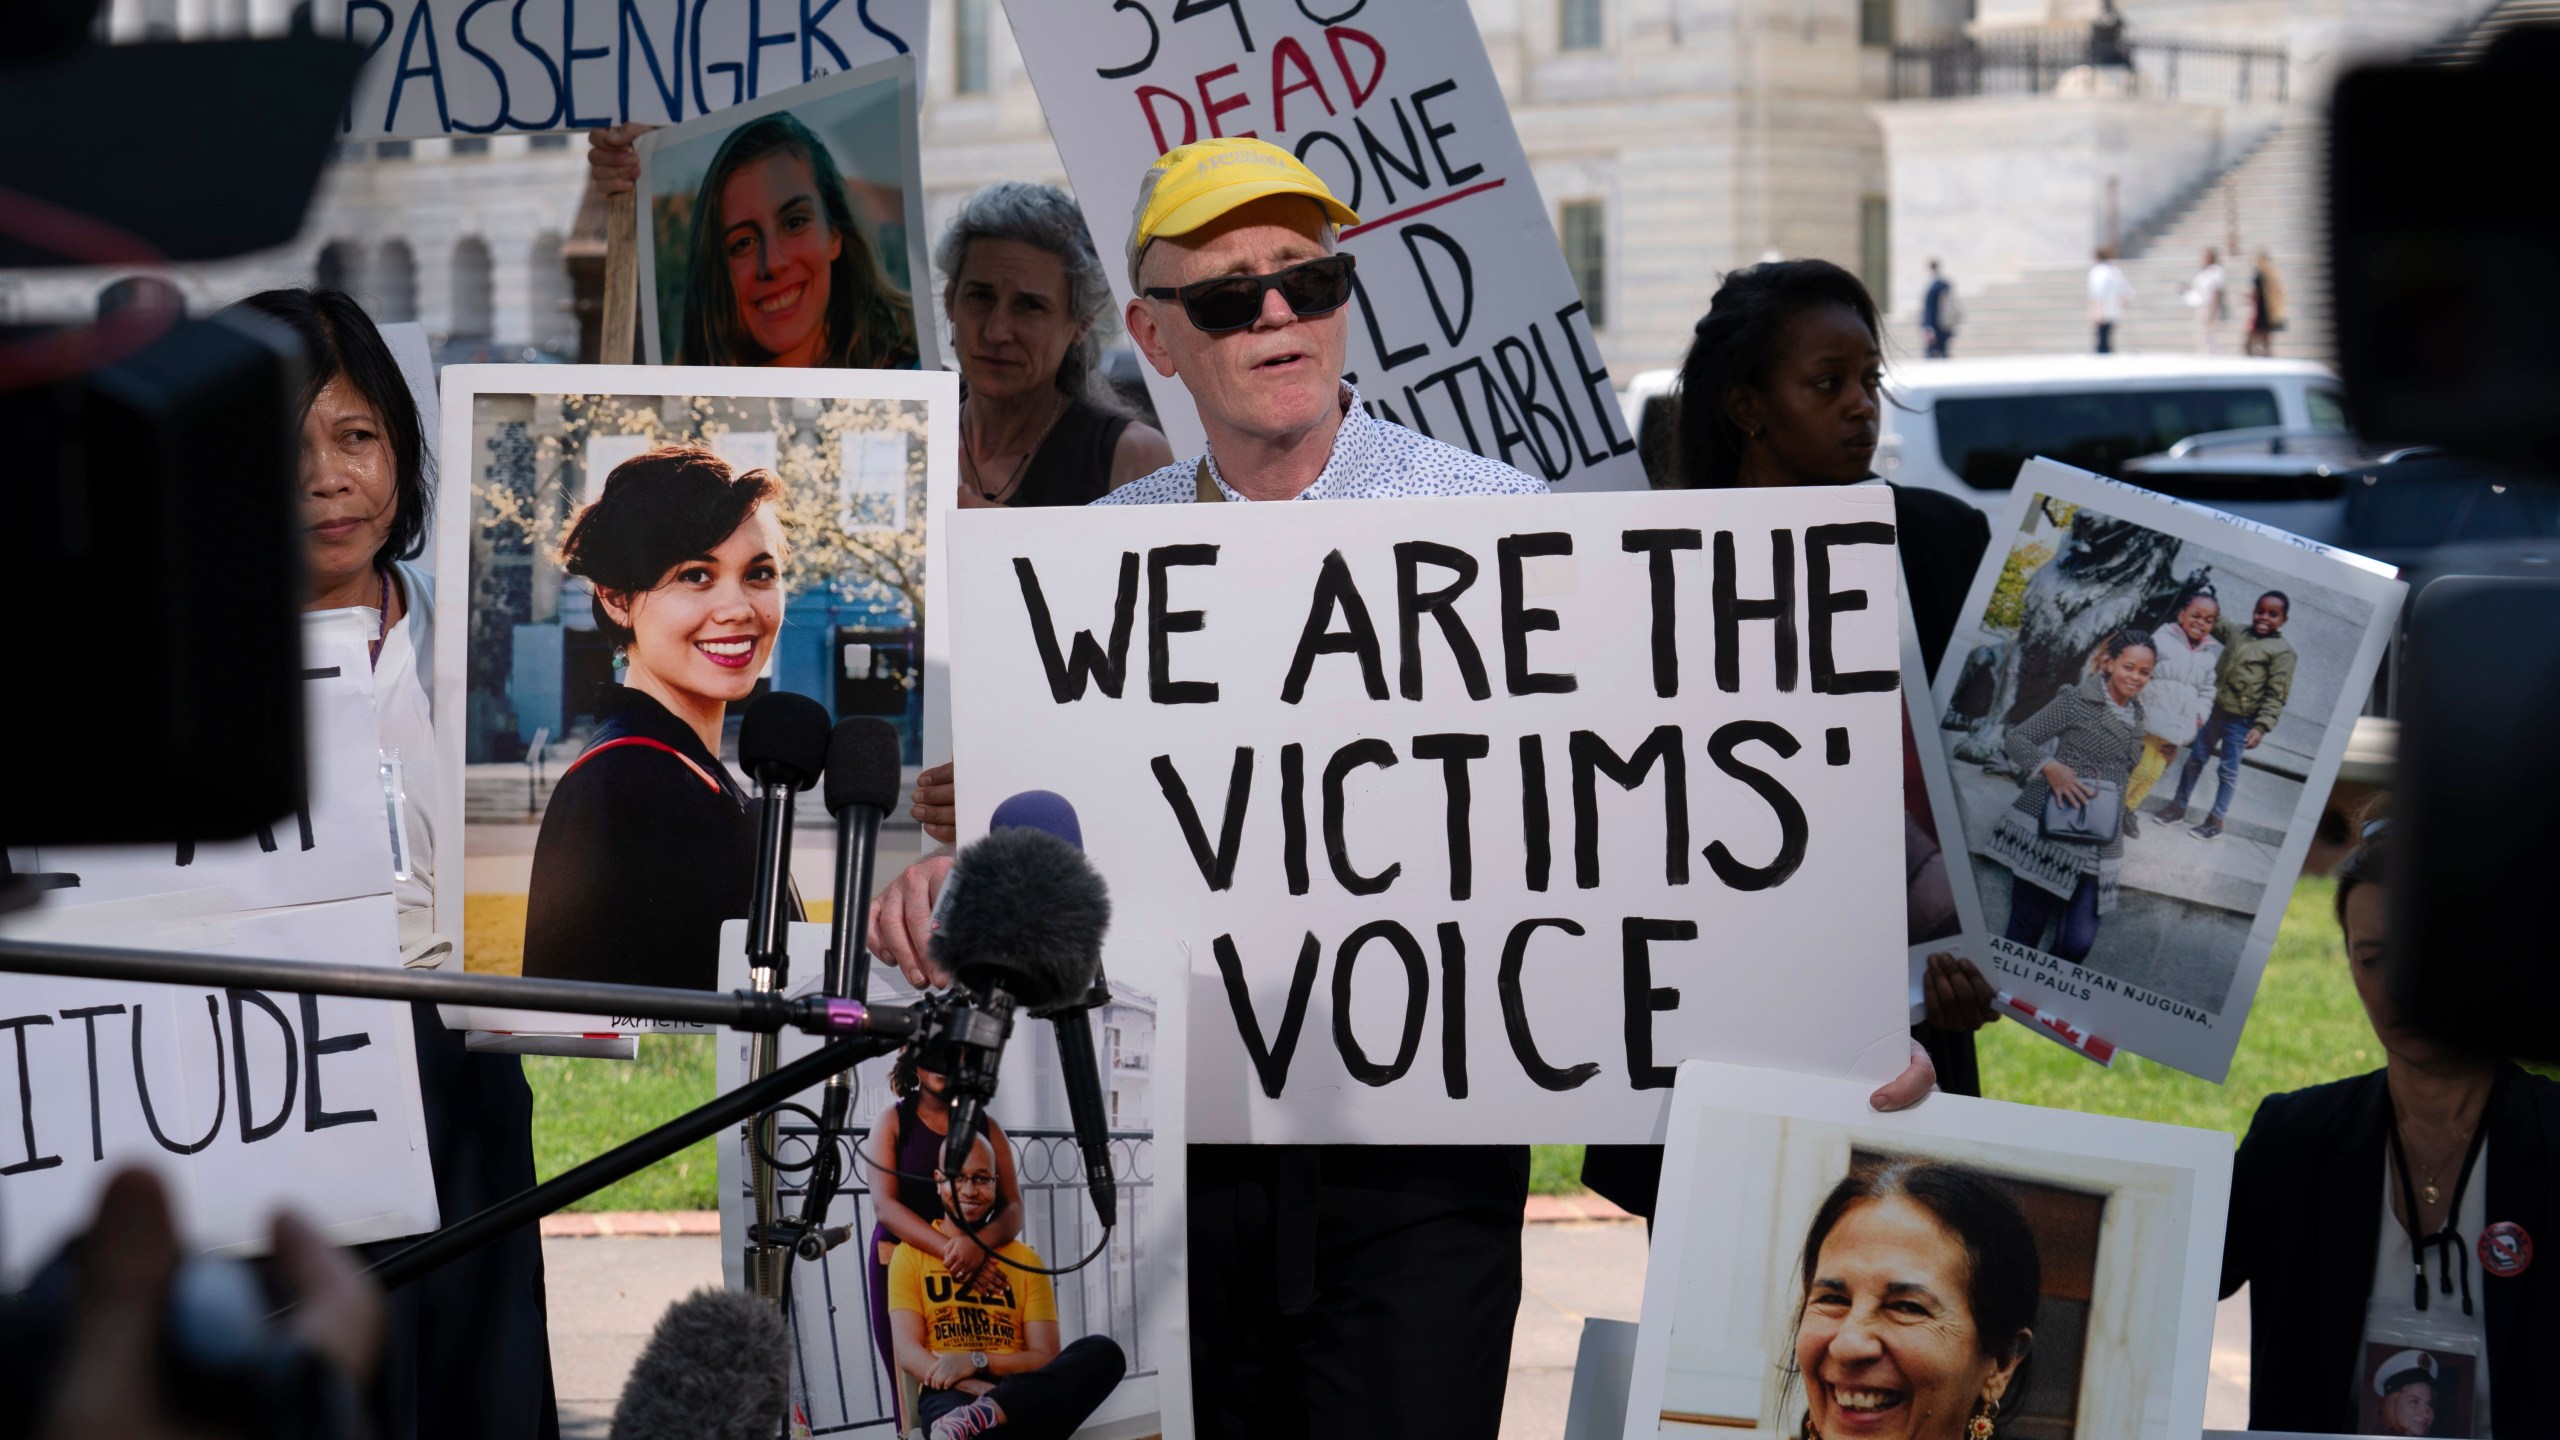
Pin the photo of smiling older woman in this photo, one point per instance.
(1964, 1270)
(787, 231)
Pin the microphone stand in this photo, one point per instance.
(847, 975)
(753, 1098)
(768, 971)
(761, 1012)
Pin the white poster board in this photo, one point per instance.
(1552, 793)
(470, 67)
(224, 1093)
(535, 435)
(2183, 920)
(2126, 1218)
(1467, 325)
(1134, 1291)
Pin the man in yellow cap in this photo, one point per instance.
(1347, 1289)
(1339, 1289)
(1241, 293)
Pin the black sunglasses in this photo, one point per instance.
(1232, 302)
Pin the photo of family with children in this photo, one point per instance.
(2130, 733)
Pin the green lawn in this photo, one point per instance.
(582, 1108)
(2306, 1028)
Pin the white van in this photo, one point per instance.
(1964, 426)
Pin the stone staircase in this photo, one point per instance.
(2473, 41)
(2270, 198)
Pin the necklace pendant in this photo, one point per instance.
(2428, 1195)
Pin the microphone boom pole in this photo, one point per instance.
(627, 1159)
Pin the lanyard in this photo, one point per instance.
(2449, 1237)
(384, 633)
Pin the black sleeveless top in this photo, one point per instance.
(1073, 466)
(919, 1151)
(919, 1154)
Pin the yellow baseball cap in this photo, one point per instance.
(1194, 184)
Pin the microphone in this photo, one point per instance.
(783, 745)
(1020, 921)
(1057, 973)
(862, 783)
(718, 1367)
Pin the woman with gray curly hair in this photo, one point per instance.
(1029, 305)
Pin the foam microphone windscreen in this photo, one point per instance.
(1023, 910)
(784, 739)
(863, 757)
(1039, 810)
(718, 1367)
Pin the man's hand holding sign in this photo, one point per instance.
(1240, 749)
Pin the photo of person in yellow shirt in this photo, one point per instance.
(988, 1355)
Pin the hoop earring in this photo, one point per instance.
(1979, 1427)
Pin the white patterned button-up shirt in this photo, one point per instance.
(1372, 459)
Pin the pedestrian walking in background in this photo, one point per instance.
(2109, 293)
(2205, 295)
(2266, 307)
(1940, 314)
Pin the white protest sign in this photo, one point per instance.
(242, 1101)
(1549, 793)
(2152, 940)
(475, 67)
(1465, 323)
(336, 847)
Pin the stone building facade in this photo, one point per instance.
(1672, 139)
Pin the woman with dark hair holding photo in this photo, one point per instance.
(2399, 1211)
(467, 1350)
(648, 843)
(1917, 1314)
(2066, 882)
(1783, 385)
(779, 271)
(1788, 365)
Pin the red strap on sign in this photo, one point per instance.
(594, 751)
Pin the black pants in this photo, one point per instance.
(1630, 1176)
(468, 1348)
(1325, 1279)
(1047, 1403)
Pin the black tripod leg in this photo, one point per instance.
(469, 1234)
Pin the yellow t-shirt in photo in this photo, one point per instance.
(991, 1319)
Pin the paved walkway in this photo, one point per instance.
(608, 1292)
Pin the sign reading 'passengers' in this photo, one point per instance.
(1474, 817)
